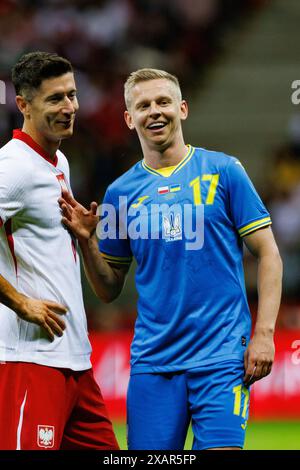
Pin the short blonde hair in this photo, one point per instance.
(143, 75)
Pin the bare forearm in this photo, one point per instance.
(46, 314)
(259, 356)
(9, 296)
(106, 283)
(269, 292)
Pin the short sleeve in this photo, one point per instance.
(114, 244)
(247, 209)
(13, 182)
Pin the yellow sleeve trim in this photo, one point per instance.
(116, 259)
(254, 226)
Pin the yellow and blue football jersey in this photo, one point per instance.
(184, 226)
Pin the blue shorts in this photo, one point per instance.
(213, 398)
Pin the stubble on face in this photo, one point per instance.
(54, 106)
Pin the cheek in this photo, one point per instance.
(48, 119)
(47, 122)
(41, 120)
(76, 105)
(138, 124)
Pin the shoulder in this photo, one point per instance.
(15, 157)
(126, 182)
(61, 156)
(215, 158)
(228, 167)
(62, 161)
(16, 169)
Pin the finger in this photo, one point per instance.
(59, 308)
(267, 369)
(263, 369)
(94, 207)
(249, 374)
(246, 360)
(68, 198)
(250, 363)
(257, 373)
(61, 201)
(66, 210)
(48, 331)
(66, 222)
(247, 379)
(250, 380)
(57, 319)
(54, 326)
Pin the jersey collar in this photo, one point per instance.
(19, 134)
(177, 168)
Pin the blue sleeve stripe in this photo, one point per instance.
(254, 226)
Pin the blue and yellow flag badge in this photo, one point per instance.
(173, 188)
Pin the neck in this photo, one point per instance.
(164, 157)
(47, 145)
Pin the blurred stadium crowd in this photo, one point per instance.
(281, 195)
(105, 40)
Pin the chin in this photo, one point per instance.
(67, 133)
(161, 142)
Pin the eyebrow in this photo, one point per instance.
(59, 94)
(158, 98)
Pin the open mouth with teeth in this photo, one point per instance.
(156, 126)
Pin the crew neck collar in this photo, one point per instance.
(20, 135)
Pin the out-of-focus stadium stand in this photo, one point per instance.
(105, 40)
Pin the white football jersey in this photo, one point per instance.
(38, 256)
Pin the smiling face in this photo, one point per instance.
(50, 115)
(155, 112)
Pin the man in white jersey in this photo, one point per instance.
(48, 396)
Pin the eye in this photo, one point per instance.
(54, 99)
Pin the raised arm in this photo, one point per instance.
(106, 280)
(259, 355)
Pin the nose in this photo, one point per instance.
(69, 106)
(154, 109)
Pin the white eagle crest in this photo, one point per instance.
(46, 436)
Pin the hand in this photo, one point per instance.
(258, 358)
(43, 313)
(81, 221)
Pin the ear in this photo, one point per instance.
(184, 110)
(23, 105)
(128, 120)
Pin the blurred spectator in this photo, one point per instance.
(105, 40)
(282, 194)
